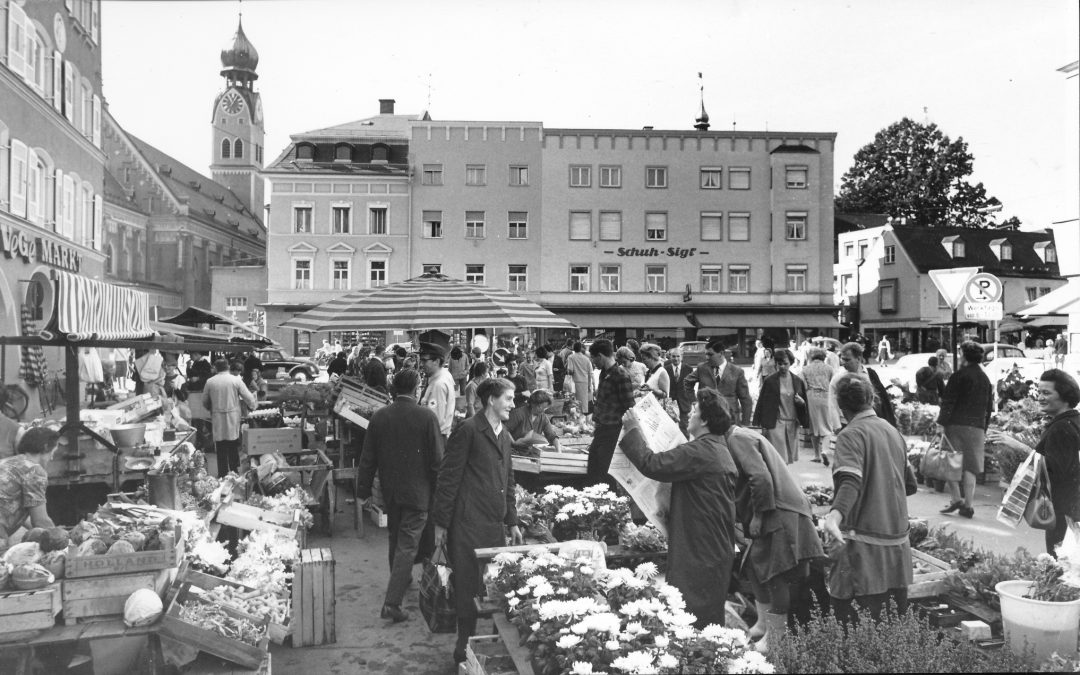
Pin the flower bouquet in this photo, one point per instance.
(591, 513)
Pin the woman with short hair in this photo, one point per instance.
(657, 380)
(472, 401)
(1059, 395)
(966, 406)
(817, 374)
(23, 480)
(781, 407)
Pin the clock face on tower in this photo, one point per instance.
(232, 103)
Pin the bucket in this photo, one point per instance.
(163, 490)
(1047, 627)
(128, 435)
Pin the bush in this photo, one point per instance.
(904, 644)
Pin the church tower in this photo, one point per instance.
(237, 146)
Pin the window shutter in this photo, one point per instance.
(18, 178)
(69, 92)
(56, 93)
(95, 19)
(96, 128)
(58, 200)
(68, 224)
(16, 37)
(33, 188)
(712, 227)
(580, 225)
(610, 226)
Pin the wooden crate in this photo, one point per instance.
(570, 461)
(247, 517)
(313, 598)
(277, 632)
(377, 515)
(262, 441)
(525, 464)
(96, 598)
(240, 653)
(169, 556)
(22, 612)
(487, 655)
(928, 584)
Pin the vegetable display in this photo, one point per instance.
(255, 603)
(212, 617)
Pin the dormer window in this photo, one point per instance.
(954, 245)
(1002, 249)
(1046, 251)
(305, 152)
(380, 153)
(343, 152)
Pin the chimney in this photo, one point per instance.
(646, 128)
(386, 106)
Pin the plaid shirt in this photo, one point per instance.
(22, 487)
(614, 396)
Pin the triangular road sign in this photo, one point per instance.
(952, 282)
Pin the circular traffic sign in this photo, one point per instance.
(983, 287)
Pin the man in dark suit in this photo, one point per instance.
(404, 445)
(677, 373)
(719, 373)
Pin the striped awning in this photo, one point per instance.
(431, 301)
(88, 309)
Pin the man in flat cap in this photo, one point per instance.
(438, 393)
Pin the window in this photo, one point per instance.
(432, 268)
(519, 175)
(432, 174)
(864, 247)
(656, 226)
(738, 227)
(890, 254)
(474, 274)
(795, 177)
(580, 176)
(376, 273)
(958, 249)
(238, 148)
(610, 225)
(67, 227)
(739, 279)
(579, 278)
(796, 279)
(610, 176)
(739, 178)
(581, 225)
(710, 278)
(518, 223)
(517, 278)
(712, 226)
(1051, 254)
(656, 278)
(305, 152)
(474, 224)
(341, 219)
(110, 260)
(226, 149)
(432, 224)
(302, 219)
(302, 274)
(845, 285)
(475, 174)
(1043, 290)
(887, 295)
(1006, 251)
(342, 152)
(656, 176)
(796, 225)
(609, 278)
(711, 178)
(849, 251)
(236, 304)
(339, 275)
(1032, 293)
(377, 220)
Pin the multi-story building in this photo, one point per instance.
(664, 235)
(52, 165)
(892, 289)
(167, 225)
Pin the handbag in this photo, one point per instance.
(942, 461)
(1040, 513)
(568, 385)
(1014, 502)
(437, 594)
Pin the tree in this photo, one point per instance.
(916, 172)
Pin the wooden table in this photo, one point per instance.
(22, 650)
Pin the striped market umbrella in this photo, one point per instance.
(431, 301)
(32, 365)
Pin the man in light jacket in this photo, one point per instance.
(222, 397)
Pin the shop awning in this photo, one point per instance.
(195, 316)
(87, 309)
(1059, 302)
(1047, 321)
(753, 320)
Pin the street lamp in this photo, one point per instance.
(858, 298)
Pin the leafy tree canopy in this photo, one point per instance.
(916, 172)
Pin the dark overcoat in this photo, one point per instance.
(768, 405)
(404, 445)
(732, 387)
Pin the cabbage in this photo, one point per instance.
(142, 608)
(25, 552)
(121, 546)
(57, 540)
(84, 531)
(30, 576)
(54, 562)
(136, 539)
(92, 547)
(37, 534)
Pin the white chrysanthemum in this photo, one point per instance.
(604, 622)
(683, 632)
(528, 566)
(727, 636)
(587, 569)
(667, 661)
(646, 570)
(604, 508)
(542, 590)
(662, 641)
(513, 602)
(568, 574)
(751, 662)
(579, 628)
(535, 580)
(612, 645)
(535, 626)
(635, 628)
(639, 662)
(523, 591)
(567, 641)
(506, 558)
(562, 517)
(581, 668)
(562, 591)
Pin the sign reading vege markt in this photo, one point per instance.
(16, 243)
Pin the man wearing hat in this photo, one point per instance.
(438, 393)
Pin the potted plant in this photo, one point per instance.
(1043, 611)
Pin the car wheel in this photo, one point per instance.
(301, 375)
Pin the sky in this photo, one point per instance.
(983, 70)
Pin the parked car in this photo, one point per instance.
(996, 364)
(693, 352)
(275, 359)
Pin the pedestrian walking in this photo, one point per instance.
(404, 447)
(438, 392)
(817, 374)
(1059, 394)
(701, 515)
(223, 397)
(374, 370)
(339, 365)
(719, 373)
(474, 499)
(545, 371)
(867, 526)
(625, 357)
(151, 368)
(677, 373)
(781, 408)
(459, 368)
(657, 382)
(614, 396)
(472, 401)
(580, 369)
(851, 360)
(1061, 350)
(966, 406)
(884, 350)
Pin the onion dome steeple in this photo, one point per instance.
(703, 120)
(240, 59)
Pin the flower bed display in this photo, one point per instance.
(579, 619)
(916, 419)
(591, 513)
